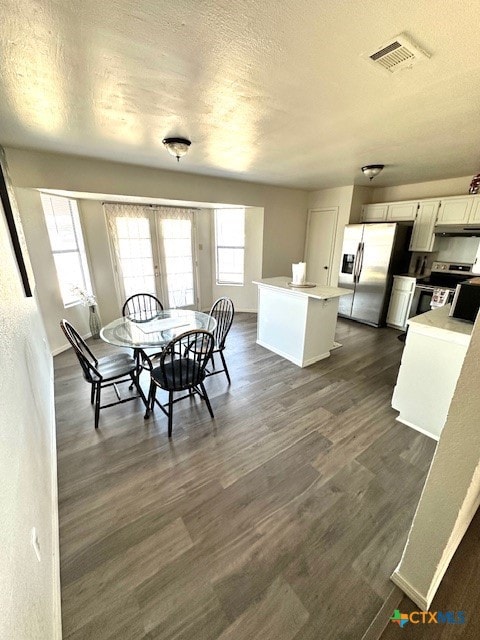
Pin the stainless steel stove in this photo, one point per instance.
(438, 288)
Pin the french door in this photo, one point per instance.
(154, 252)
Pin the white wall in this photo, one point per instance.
(432, 189)
(29, 589)
(452, 490)
(101, 270)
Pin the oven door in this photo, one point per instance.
(422, 299)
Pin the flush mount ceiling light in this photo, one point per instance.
(372, 170)
(178, 147)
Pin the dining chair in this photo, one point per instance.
(142, 307)
(182, 367)
(223, 311)
(103, 372)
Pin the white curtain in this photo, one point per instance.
(165, 268)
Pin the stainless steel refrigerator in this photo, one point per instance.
(371, 254)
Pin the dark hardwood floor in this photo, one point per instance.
(281, 519)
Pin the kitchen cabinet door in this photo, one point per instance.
(400, 301)
(475, 211)
(455, 210)
(422, 235)
(374, 212)
(476, 262)
(400, 211)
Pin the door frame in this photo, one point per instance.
(333, 243)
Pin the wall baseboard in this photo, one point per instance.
(67, 346)
(381, 620)
(56, 585)
(410, 591)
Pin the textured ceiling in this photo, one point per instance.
(273, 92)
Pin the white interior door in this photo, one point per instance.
(320, 245)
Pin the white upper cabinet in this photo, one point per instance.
(400, 211)
(455, 210)
(475, 211)
(374, 212)
(422, 235)
(389, 212)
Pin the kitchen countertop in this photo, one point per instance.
(319, 292)
(439, 324)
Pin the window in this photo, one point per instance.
(230, 245)
(68, 249)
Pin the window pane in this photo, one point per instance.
(230, 227)
(70, 274)
(230, 265)
(177, 249)
(135, 255)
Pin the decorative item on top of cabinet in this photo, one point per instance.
(475, 184)
(455, 210)
(422, 236)
(400, 301)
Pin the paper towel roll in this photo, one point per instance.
(299, 272)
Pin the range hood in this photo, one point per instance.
(466, 230)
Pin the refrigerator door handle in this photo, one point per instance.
(355, 264)
(360, 264)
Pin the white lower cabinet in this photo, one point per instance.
(400, 301)
(431, 361)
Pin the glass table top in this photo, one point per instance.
(138, 333)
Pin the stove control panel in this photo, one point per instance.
(449, 267)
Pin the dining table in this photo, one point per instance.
(141, 333)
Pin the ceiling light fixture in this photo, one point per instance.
(372, 170)
(178, 147)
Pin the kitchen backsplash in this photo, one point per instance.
(456, 249)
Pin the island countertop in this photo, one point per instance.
(319, 292)
(438, 323)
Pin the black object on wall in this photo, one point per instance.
(12, 227)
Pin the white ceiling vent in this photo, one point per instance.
(400, 53)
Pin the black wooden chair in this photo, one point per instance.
(103, 372)
(223, 312)
(141, 307)
(182, 367)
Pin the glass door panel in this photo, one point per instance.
(177, 273)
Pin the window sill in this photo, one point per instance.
(230, 284)
(69, 305)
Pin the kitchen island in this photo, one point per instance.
(434, 352)
(297, 323)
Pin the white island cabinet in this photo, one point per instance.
(434, 352)
(297, 323)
